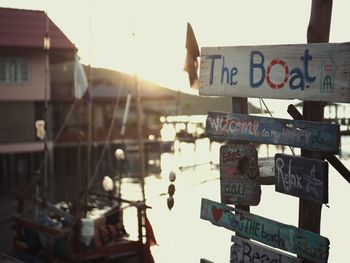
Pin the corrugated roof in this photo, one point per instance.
(27, 28)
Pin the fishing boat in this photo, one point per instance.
(55, 235)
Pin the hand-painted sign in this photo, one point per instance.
(239, 175)
(304, 134)
(318, 72)
(246, 251)
(305, 243)
(302, 177)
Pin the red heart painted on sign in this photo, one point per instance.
(217, 213)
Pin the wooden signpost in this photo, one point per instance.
(286, 237)
(315, 72)
(239, 175)
(304, 134)
(246, 251)
(302, 177)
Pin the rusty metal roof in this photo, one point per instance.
(21, 28)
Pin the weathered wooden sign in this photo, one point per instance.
(318, 72)
(239, 175)
(302, 177)
(304, 134)
(305, 243)
(246, 251)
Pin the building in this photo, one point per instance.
(37, 79)
(31, 46)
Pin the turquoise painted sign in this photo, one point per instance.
(304, 134)
(306, 244)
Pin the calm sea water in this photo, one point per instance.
(183, 237)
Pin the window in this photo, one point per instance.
(14, 70)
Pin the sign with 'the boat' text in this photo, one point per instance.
(318, 72)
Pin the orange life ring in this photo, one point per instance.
(286, 74)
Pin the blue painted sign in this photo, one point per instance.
(318, 72)
(302, 177)
(239, 175)
(304, 134)
(306, 244)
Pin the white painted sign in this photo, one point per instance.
(317, 72)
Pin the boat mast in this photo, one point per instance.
(138, 113)
(48, 182)
(140, 139)
(89, 131)
(141, 212)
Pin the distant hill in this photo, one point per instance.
(106, 85)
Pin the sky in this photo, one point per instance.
(148, 37)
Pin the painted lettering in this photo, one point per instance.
(289, 243)
(212, 65)
(230, 156)
(295, 77)
(295, 136)
(229, 73)
(306, 58)
(237, 189)
(289, 180)
(265, 133)
(296, 80)
(256, 66)
(318, 139)
(272, 238)
(246, 252)
(252, 227)
(214, 123)
(235, 223)
(235, 126)
(251, 253)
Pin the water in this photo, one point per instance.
(181, 234)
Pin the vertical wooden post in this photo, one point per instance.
(240, 105)
(317, 32)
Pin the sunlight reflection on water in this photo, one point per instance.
(181, 234)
